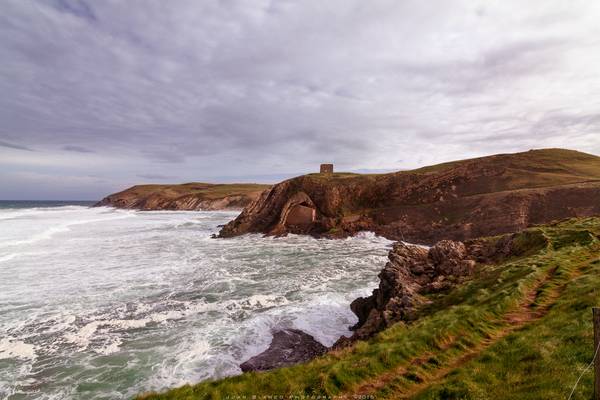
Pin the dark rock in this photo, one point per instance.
(411, 272)
(362, 307)
(288, 347)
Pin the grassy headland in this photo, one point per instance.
(457, 200)
(187, 196)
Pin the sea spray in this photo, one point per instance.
(99, 303)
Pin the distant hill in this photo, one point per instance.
(456, 200)
(187, 196)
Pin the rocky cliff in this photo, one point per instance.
(415, 272)
(189, 196)
(412, 271)
(458, 200)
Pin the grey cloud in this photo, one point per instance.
(508, 61)
(556, 122)
(165, 155)
(155, 176)
(268, 87)
(14, 146)
(78, 8)
(77, 149)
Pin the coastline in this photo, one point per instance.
(220, 299)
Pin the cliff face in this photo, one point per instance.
(413, 272)
(459, 200)
(189, 196)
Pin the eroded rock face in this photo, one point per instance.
(288, 347)
(414, 271)
(411, 272)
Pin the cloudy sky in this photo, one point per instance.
(99, 95)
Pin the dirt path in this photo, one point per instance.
(527, 311)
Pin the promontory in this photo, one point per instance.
(188, 196)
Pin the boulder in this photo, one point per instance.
(288, 347)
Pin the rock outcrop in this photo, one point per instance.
(411, 272)
(288, 347)
(189, 196)
(415, 271)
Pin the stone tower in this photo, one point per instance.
(327, 168)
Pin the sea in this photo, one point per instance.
(103, 303)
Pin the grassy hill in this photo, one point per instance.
(520, 329)
(533, 168)
(187, 196)
(456, 200)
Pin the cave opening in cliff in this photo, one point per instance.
(301, 215)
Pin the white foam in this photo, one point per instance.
(111, 347)
(10, 348)
(84, 335)
(50, 232)
(84, 283)
(261, 301)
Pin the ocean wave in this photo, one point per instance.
(96, 285)
(12, 213)
(51, 231)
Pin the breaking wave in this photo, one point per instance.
(137, 301)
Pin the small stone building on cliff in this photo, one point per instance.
(326, 168)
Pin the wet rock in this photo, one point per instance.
(411, 272)
(288, 347)
(362, 307)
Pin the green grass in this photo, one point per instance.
(432, 357)
(540, 361)
(555, 162)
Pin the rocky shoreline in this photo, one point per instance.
(447, 206)
(460, 201)
(412, 273)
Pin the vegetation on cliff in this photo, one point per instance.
(187, 196)
(519, 328)
(457, 200)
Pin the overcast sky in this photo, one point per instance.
(100, 95)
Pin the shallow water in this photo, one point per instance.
(99, 303)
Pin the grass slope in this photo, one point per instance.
(556, 161)
(520, 329)
(530, 169)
